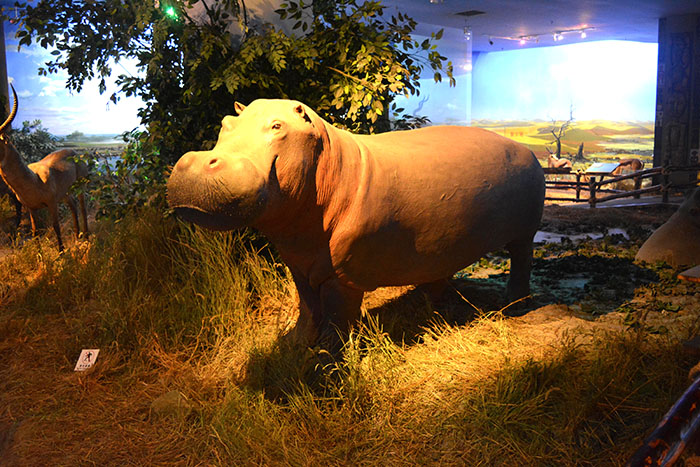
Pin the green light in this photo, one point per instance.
(170, 11)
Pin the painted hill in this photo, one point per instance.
(572, 135)
(599, 136)
(636, 130)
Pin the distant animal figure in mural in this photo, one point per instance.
(628, 165)
(7, 191)
(42, 184)
(558, 163)
(349, 213)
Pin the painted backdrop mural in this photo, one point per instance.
(610, 80)
(45, 98)
(603, 91)
(607, 87)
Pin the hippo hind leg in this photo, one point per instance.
(435, 289)
(520, 266)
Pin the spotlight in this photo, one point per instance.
(583, 34)
(467, 33)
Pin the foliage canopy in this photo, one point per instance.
(196, 57)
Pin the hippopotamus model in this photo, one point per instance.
(678, 240)
(349, 213)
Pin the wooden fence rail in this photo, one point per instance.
(595, 187)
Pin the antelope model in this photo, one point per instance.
(42, 184)
(558, 163)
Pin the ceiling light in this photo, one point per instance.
(557, 36)
(467, 33)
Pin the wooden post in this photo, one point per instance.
(637, 185)
(592, 188)
(665, 178)
(578, 185)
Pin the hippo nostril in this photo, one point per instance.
(214, 162)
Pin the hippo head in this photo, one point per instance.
(263, 157)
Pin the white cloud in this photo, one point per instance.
(34, 51)
(52, 87)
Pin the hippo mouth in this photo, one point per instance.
(208, 220)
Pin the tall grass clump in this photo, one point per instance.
(150, 277)
(486, 394)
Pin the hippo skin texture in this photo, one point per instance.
(349, 213)
(677, 242)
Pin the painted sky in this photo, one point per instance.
(46, 98)
(610, 80)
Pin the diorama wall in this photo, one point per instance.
(603, 80)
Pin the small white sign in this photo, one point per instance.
(87, 359)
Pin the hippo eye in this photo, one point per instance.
(277, 126)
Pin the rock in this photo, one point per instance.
(172, 403)
(676, 242)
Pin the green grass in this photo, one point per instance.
(174, 307)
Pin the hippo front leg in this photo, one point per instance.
(327, 312)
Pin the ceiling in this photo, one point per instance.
(633, 20)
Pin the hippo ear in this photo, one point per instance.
(302, 113)
(239, 107)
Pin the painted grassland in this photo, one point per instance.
(191, 370)
(603, 140)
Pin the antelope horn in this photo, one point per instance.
(12, 113)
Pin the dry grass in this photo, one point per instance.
(174, 308)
